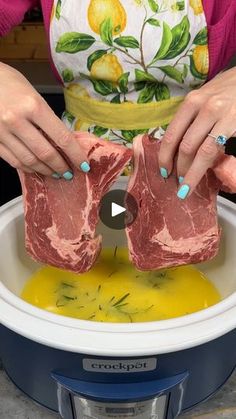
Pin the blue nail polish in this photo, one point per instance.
(163, 172)
(68, 175)
(56, 175)
(183, 191)
(85, 167)
(181, 179)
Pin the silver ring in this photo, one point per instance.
(219, 139)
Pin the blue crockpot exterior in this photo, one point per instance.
(30, 365)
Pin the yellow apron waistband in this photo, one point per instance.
(122, 116)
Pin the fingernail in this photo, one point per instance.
(163, 172)
(85, 167)
(56, 175)
(181, 179)
(68, 175)
(183, 191)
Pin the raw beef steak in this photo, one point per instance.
(168, 231)
(61, 216)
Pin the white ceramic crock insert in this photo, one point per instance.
(112, 339)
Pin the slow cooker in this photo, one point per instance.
(92, 370)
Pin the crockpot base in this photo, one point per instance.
(30, 366)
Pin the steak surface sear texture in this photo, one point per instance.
(61, 216)
(168, 231)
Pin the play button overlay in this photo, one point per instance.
(118, 209)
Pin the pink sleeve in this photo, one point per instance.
(221, 22)
(12, 13)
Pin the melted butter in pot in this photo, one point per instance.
(114, 291)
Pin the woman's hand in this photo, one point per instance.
(210, 109)
(23, 114)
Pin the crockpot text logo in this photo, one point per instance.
(119, 366)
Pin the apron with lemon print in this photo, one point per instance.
(127, 64)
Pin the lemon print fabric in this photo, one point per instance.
(136, 51)
(79, 90)
(106, 68)
(114, 291)
(101, 10)
(200, 60)
(197, 6)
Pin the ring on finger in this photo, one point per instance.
(219, 139)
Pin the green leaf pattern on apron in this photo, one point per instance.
(153, 5)
(136, 51)
(58, 9)
(72, 42)
(67, 75)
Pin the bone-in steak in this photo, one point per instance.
(168, 231)
(61, 216)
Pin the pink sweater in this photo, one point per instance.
(220, 15)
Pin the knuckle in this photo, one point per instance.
(9, 117)
(192, 98)
(16, 164)
(31, 104)
(214, 104)
(46, 155)
(64, 140)
(186, 148)
(169, 136)
(29, 160)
